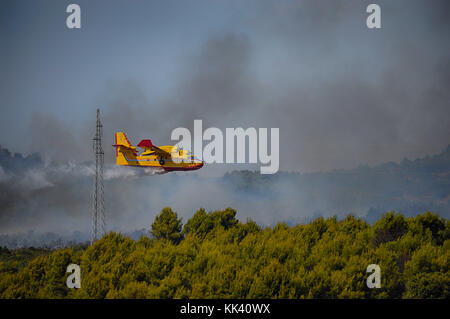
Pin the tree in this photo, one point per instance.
(167, 226)
(428, 285)
(390, 227)
(223, 258)
(199, 224)
(203, 223)
(434, 224)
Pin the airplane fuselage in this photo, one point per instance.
(168, 157)
(165, 162)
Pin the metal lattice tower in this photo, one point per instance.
(98, 202)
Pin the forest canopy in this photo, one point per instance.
(214, 255)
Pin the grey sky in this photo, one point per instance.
(341, 94)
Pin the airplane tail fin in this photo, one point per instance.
(125, 152)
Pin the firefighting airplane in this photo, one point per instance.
(154, 156)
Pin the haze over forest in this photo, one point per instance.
(38, 197)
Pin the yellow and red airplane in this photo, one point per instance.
(168, 157)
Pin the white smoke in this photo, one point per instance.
(110, 172)
(35, 179)
(117, 172)
(51, 174)
(3, 175)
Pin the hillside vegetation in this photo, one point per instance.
(213, 255)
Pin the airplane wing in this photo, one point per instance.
(148, 145)
(160, 151)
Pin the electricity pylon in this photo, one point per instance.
(98, 203)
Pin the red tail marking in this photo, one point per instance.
(145, 143)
